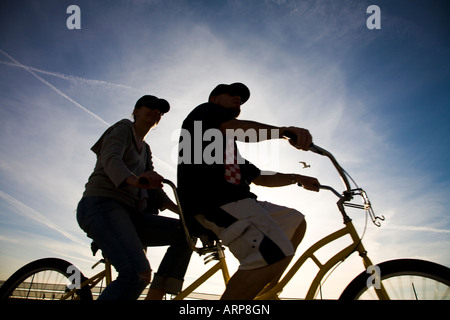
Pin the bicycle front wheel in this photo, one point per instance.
(403, 279)
(45, 279)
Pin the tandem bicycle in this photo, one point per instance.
(54, 278)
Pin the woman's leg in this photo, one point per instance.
(163, 231)
(110, 226)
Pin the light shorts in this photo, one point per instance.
(259, 233)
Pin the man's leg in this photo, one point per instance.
(263, 258)
(296, 239)
(299, 234)
(246, 284)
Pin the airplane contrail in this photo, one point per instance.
(33, 71)
(30, 213)
(54, 88)
(71, 78)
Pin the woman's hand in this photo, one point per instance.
(147, 180)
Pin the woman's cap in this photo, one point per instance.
(153, 102)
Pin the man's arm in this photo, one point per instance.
(267, 132)
(284, 179)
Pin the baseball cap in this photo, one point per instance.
(236, 88)
(153, 102)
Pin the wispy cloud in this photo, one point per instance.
(415, 229)
(71, 78)
(53, 87)
(34, 215)
(33, 71)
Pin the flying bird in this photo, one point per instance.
(305, 165)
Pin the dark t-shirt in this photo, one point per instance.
(202, 187)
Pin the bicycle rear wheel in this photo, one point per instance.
(403, 279)
(45, 279)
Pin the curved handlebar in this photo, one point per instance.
(340, 170)
(316, 149)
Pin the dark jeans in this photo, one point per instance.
(122, 234)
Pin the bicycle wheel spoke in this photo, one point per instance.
(411, 288)
(45, 285)
(43, 279)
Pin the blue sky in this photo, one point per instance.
(377, 99)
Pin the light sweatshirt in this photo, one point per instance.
(117, 158)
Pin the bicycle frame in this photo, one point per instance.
(217, 253)
(349, 229)
(220, 265)
(324, 268)
(106, 273)
(94, 280)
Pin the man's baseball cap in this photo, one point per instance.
(153, 102)
(234, 89)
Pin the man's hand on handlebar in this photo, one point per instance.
(309, 183)
(298, 137)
